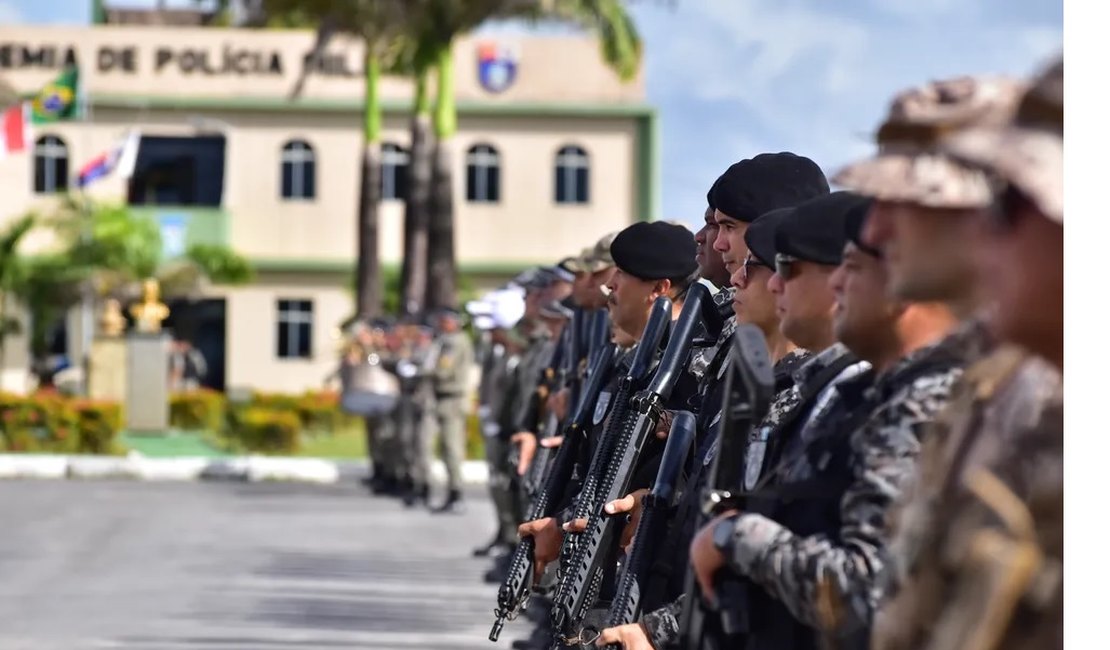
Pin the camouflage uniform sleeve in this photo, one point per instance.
(830, 584)
(661, 625)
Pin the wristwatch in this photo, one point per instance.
(723, 534)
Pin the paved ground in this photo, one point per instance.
(204, 566)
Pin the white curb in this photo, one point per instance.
(103, 467)
(307, 470)
(243, 468)
(32, 466)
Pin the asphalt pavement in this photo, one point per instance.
(212, 565)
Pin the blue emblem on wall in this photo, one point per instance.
(496, 67)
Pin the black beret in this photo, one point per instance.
(655, 250)
(815, 231)
(760, 236)
(753, 187)
(709, 194)
(853, 227)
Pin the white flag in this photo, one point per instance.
(125, 166)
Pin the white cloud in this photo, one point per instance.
(734, 78)
(10, 14)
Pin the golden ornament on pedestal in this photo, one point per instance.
(150, 313)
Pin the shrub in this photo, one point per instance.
(263, 429)
(98, 422)
(53, 423)
(198, 410)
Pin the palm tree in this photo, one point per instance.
(379, 25)
(441, 23)
(11, 269)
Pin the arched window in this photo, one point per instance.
(51, 165)
(298, 170)
(483, 174)
(572, 175)
(395, 172)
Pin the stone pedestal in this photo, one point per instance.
(108, 369)
(147, 405)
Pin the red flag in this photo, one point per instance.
(16, 130)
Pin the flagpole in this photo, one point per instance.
(87, 298)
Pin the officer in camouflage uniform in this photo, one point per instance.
(416, 410)
(451, 385)
(978, 555)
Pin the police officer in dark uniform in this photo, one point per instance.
(761, 183)
(652, 259)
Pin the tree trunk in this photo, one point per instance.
(414, 266)
(442, 270)
(369, 279)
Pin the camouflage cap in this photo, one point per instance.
(601, 258)
(582, 262)
(910, 166)
(1028, 152)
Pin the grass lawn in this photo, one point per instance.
(344, 443)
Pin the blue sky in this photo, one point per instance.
(733, 78)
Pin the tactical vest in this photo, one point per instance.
(811, 507)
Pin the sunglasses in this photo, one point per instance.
(750, 263)
(785, 265)
(1005, 210)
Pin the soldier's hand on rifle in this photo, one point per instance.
(527, 442)
(632, 636)
(576, 525)
(551, 442)
(548, 538)
(705, 559)
(632, 504)
(557, 403)
(663, 429)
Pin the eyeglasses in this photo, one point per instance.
(749, 263)
(784, 265)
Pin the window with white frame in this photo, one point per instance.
(294, 329)
(572, 175)
(395, 172)
(51, 165)
(483, 174)
(298, 171)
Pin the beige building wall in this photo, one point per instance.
(563, 95)
(252, 317)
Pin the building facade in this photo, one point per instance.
(552, 152)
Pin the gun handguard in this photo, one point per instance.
(749, 387)
(595, 545)
(617, 427)
(512, 596)
(653, 522)
(658, 321)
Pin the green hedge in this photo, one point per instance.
(268, 423)
(198, 410)
(53, 423)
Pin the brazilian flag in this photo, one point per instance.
(56, 101)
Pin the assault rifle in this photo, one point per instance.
(749, 387)
(593, 552)
(656, 509)
(584, 350)
(642, 358)
(559, 374)
(512, 597)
